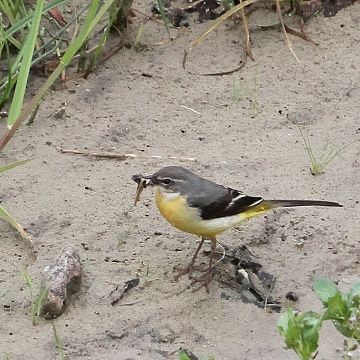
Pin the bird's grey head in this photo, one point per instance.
(172, 178)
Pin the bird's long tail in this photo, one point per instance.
(292, 203)
(267, 205)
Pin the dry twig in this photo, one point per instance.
(110, 155)
(287, 40)
(247, 34)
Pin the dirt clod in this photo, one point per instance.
(61, 278)
(292, 296)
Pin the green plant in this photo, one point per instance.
(25, 64)
(12, 12)
(147, 278)
(163, 16)
(183, 355)
(36, 301)
(139, 46)
(242, 90)
(328, 154)
(118, 14)
(22, 34)
(341, 308)
(96, 11)
(301, 330)
(58, 343)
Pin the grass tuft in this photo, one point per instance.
(242, 90)
(20, 66)
(318, 164)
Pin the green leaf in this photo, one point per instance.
(355, 290)
(12, 165)
(284, 319)
(4, 43)
(183, 355)
(311, 327)
(325, 289)
(288, 326)
(344, 329)
(301, 332)
(18, 98)
(337, 309)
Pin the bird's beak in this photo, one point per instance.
(143, 182)
(146, 180)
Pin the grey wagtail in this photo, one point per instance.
(201, 207)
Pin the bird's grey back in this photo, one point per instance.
(191, 183)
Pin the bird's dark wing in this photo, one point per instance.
(223, 202)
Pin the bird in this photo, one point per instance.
(196, 205)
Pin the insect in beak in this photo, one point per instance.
(143, 182)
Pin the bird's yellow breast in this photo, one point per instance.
(174, 208)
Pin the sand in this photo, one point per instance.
(243, 134)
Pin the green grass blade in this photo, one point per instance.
(98, 51)
(6, 9)
(6, 93)
(13, 223)
(17, 6)
(163, 16)
(12, 165)
(89, 17)
(64, 61)
(58, 343)
(24, 21)
(18, 99)
(28, 281)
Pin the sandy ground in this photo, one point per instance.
(65, 199)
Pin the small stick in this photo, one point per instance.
(287, 40)
(189, 108)
(110, 155)
(247, 34)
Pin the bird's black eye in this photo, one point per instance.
(166, 181)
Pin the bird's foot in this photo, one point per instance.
(203, 280)
(188, 270)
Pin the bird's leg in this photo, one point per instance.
(189, 268)
(205, 279)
